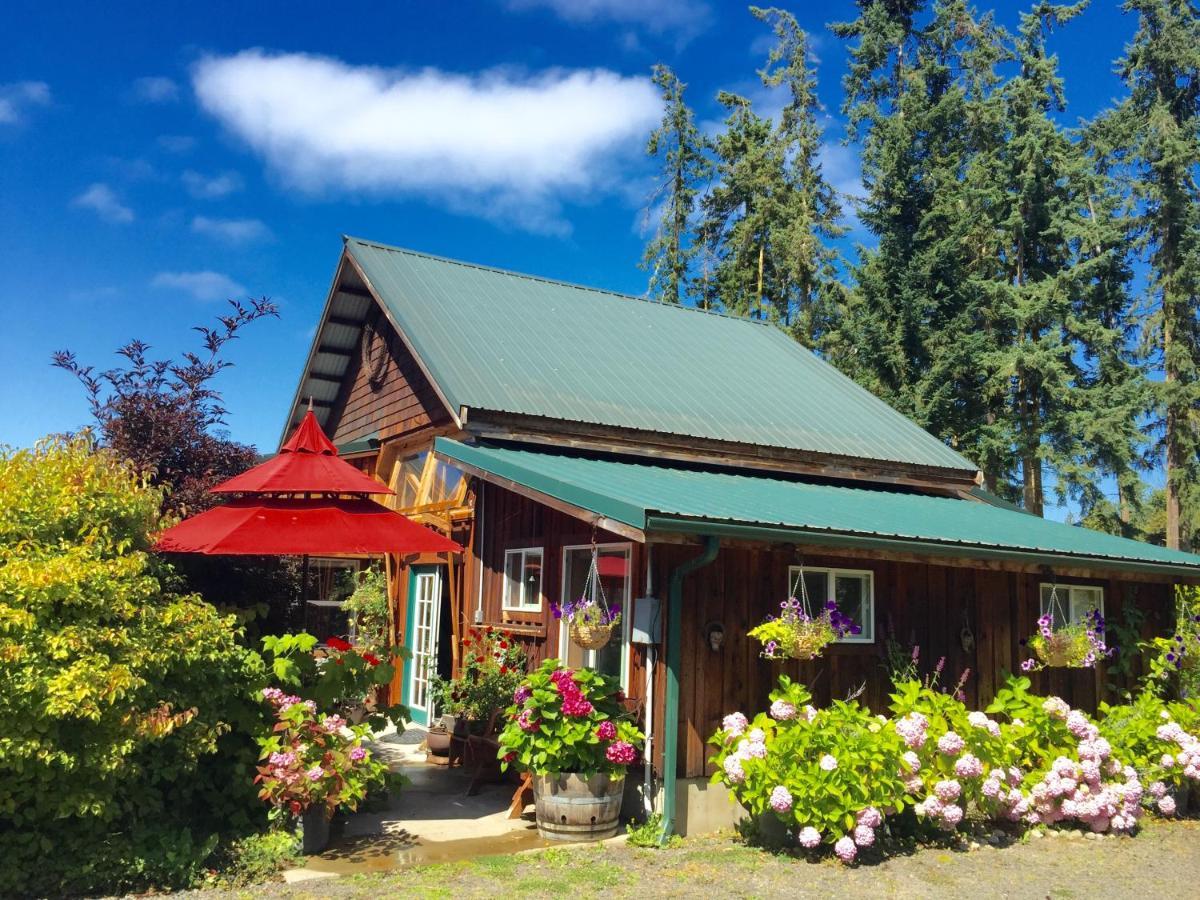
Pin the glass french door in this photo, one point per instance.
(613, 563)
(424, 609)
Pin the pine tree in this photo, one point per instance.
(915, 94)
(771, 211)
(670, 253)
(1157, 128)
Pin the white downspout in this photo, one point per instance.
(479, 552)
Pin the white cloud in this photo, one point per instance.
(18, 96)
(235, 231)
(501, 144)
(104, 202)
(176, 143)
(205, 187)
(203, 285)
(155, 89)
(689, 16)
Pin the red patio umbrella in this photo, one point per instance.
(305, 501)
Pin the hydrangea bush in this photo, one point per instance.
(314, 760)
(569, 721)
(836, 777)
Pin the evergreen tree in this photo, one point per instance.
(771, 211)
(1157, 131)
(670, 253)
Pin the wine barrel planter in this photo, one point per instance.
(571, 808)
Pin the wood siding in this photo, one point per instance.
(917, 603)
(404, 402)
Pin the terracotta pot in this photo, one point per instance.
(572, 808)
(437, 741)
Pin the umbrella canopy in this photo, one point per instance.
(288, 526)
(307, 464)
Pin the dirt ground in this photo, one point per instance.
(1163, 861)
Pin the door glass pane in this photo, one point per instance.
(1056, 602)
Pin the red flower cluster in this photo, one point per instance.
(621, 752)
(573, 702)
(336, 643)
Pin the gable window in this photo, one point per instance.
(523, 580)
(1075, 601)
(853, 590)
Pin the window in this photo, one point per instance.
(329, 583)
(523, 580)
(1074, 602)
(424, 480)
(853, 590)
(613, 562)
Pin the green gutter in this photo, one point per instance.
(783, 534)
(670, 722)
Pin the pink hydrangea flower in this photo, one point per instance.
(358, 754)
(316, 773)
(810, 712)
(521, 694)
(1157, 789)
(947, 790)
(864, 835)
(913, 784)
(871, 817)
(951, 744)
(334, 723)
(756, 736)
(968, 766)
(526, 720)
(809, 837)
(733, 769)
(828, 763)
(1167, 761)
(620, 752)
(1079, 726)
(912, 761)
(781, 799)
(576, 706)
(734, 724)
(952, 814)
(606, 731)
(1166, 805)
(845, 849)
(911, 729)
(990, 788)
(1056, 707)
(782, 711)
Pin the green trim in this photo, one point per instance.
(591, 501)
(670, 724)
(674, 525)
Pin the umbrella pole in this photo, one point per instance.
(304, 593)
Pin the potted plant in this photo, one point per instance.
(1079, 645)
(312, 764)
(492, 666)
(795, 634)
(568, 728)
(590, 621)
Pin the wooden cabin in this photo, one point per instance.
(715, 465)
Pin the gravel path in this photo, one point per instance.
(1163, 861)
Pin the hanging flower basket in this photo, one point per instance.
(590, 621)
(1077, 646)
(591, 637)
(794, 634)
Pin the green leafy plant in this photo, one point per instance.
(569, 721)
(310, 759)
(127, 714)
(650, 833)
(370, 611)
(341, 680)
(794, 634)
(254, 858)
(493, 665)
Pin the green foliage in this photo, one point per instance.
(1135, 731)
(492, 667)
(126, 713)
(368, 607)
(565, 720)
(255, 858)
(865, 770)
(1038, 734)
(342, 680)
(649, 834)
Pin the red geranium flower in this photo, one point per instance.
(336, 643)
(371, 659)
(504, 645)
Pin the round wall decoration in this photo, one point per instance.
(375, 355)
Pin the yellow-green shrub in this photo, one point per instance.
(126, 714)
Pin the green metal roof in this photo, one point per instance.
(503, 342)
(676, 499)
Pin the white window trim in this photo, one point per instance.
(564, 637)
(869, 622)
(1069, 590)
(521, 605)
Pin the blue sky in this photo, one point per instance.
(157, 158)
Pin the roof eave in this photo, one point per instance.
(657, 523)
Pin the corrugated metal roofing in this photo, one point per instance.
(499, 341)
(642, 495)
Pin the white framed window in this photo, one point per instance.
(615, 564)
(1074, 602)
(523, 579)
(853, 590)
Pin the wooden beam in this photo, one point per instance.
(353, 292)
(345, 320)
(328, 379)
(336, 351)
(681, 448)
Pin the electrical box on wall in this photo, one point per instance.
(646, 623)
